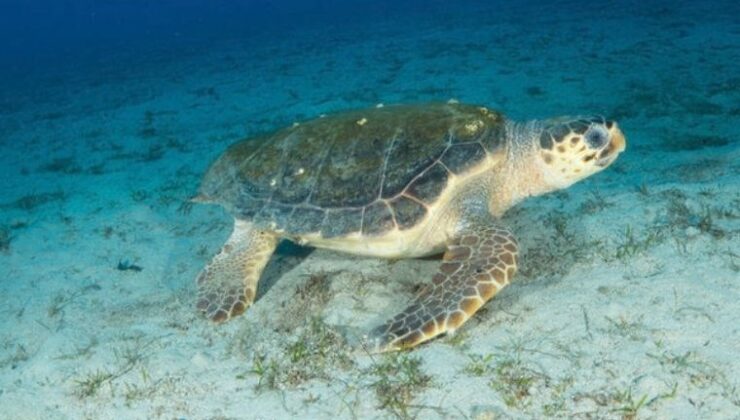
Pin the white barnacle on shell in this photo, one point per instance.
(300, 171)
(473, 127)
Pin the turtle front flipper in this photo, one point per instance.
(475, 267)
(228, 284)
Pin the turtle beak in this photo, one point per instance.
(617, 144)
(199, 198)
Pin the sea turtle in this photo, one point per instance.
(398, 181)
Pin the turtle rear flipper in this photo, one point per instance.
(228, 284)
(475, 267)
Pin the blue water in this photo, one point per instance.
(110, 111)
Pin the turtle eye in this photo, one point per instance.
(596, 137)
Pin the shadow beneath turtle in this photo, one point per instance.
(286, 257)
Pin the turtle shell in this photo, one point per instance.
(366, 171)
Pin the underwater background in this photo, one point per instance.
(627, 301)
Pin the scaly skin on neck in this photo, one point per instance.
(519, 176)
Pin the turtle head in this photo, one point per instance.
(570, 149)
